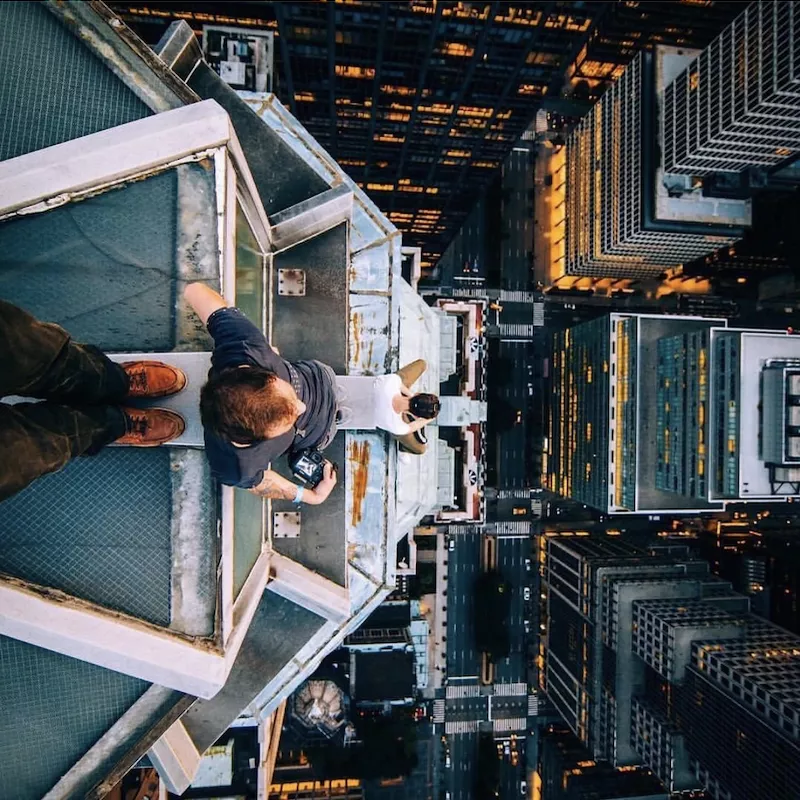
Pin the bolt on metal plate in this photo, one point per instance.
(292, 282)
(286, 524)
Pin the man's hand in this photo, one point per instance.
(204, 300)
(319, 494)
(277, 487)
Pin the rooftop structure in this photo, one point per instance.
(662, 414)
(143, 606)
(653, 661)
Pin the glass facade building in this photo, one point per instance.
(737, 104)
(655, 413)
(653, 661)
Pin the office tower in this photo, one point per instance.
(661, 414)
(737, 105)
(621, 216)
(628, 198)
(568, 772)
(653, 661)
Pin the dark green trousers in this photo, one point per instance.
(81, 388)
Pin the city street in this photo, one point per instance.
(464, 563)
(511, 555)
(468, 706)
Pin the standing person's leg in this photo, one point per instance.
(38, 359)
(37, 438)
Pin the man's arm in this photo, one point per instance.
(417, 424)
(277, 487)
(204, 300)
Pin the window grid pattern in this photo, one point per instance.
(682, 414)
(725, 413)
(738, 103)
(652, 738)
(762, 671)
(605, 227)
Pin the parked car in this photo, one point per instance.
(451, 545)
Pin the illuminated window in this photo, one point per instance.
(352, 71)
(305, 97)
(475, 111)
(390, 137)
(380, 187)
(436, 108)
(530, 89)
(456, 49)
(459, 153)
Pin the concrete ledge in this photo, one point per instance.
(175, 758)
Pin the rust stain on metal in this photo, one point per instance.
(356, 337)
(371, 348)
(359, 460)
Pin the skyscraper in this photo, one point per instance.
(737, 104)
(652, 660)
(628, 200)
(622, 215)
(661, 414)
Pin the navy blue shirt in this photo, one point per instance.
(236, 342)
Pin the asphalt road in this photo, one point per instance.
(467, 704)
(511, 555)
(462, 570)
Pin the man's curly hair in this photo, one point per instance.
(241, 405)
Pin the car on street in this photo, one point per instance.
(526, 593)
(452, 545)
(523, 787)
(528, 564)
(527, 625)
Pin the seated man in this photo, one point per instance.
(400, 411)
(256, 406)
(84, 395)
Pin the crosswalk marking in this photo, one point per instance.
(464, 690)
(438, 711)
(515, 296)
(516, 330)
(510, 689)
(462, 726)
(533, 705)
(509, 527)
(508, 725)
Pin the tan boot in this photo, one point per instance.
(153, 378)
(410, 373)
(150, 427)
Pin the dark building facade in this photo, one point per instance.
(421, 101)
(568, 772)
(652, 660)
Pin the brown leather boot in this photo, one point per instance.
(153, 378)
(150, 427)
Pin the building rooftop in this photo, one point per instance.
(133, 586)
